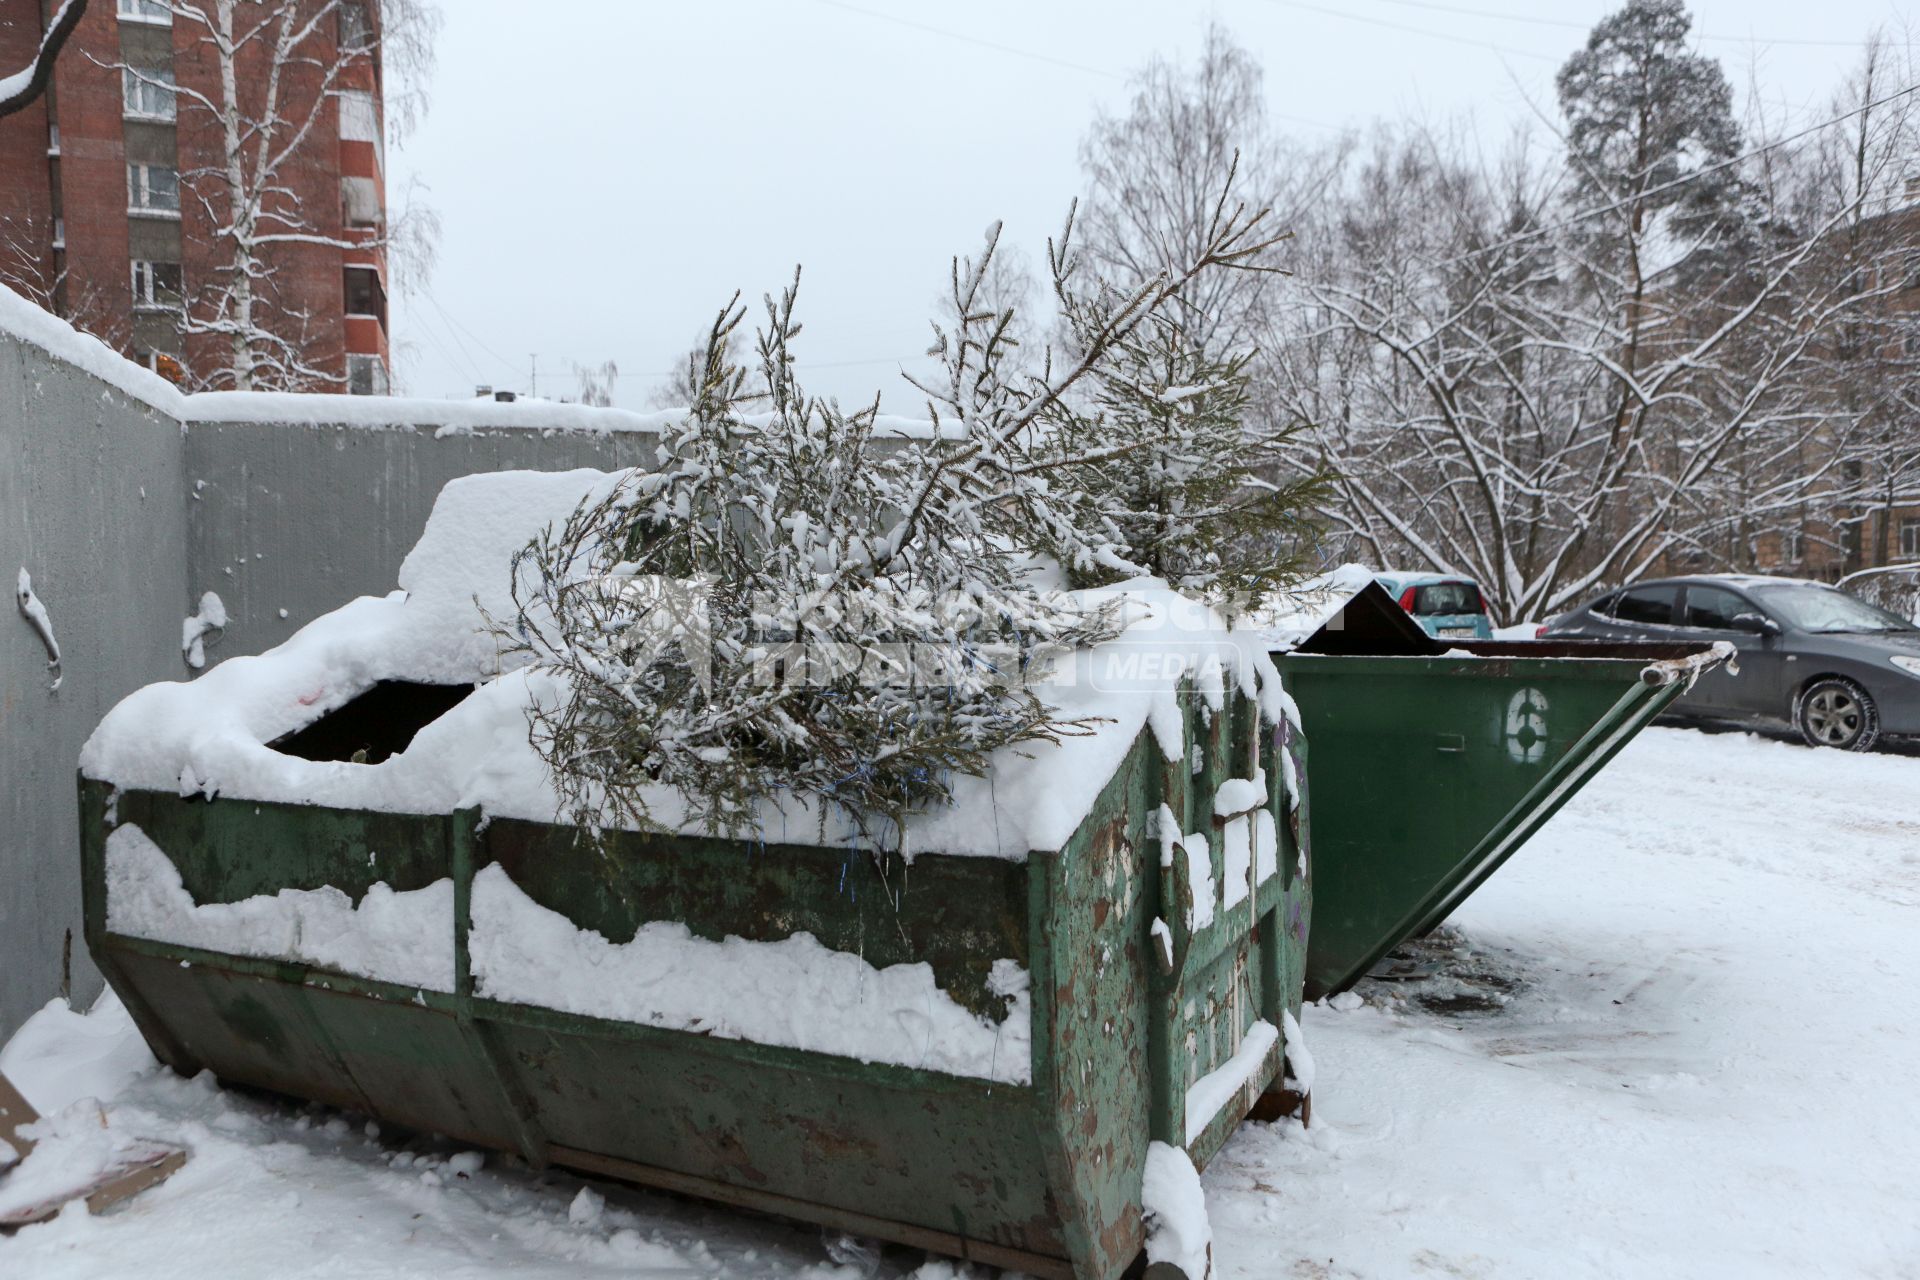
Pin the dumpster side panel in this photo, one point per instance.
(1092, 1001)
(1242, 970)
(1127, 1024)
(915, 1148)
(227, 850)
(958, 914)
(365, 1046)
(932, 1151)
(948, 1161)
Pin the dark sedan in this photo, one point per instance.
(1837, 669)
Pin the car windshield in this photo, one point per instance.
(1447, 597)
(1825, 609)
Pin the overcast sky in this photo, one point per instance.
(608, 173)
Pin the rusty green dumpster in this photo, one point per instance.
(1434, 761)
(971, 1050)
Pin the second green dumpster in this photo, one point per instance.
(1434, 761)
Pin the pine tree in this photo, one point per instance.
(1650, 127)
(1182, 471)
(792, 606)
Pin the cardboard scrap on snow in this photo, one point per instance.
(128, 1168)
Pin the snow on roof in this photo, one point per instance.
(1290, 616)
(209, 735)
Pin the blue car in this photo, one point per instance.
(1445, 605)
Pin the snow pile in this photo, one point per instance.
(59, 1057)
(1178, 1231)
(209, 736)
(404, 937)
(1213, 1091)
(32, 323)
(71, 1151)
(795, 993)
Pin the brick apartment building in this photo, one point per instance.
(1879, 524)
(112, 191)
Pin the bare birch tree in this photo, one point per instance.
(1153, 171)
(1558, 374)
(277, 69)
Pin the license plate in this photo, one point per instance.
(1456, 633)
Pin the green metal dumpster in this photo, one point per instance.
(1433, 762)
(1065, 1007)
(1038, 1170)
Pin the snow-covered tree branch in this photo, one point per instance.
(278, 71)
(21, 87)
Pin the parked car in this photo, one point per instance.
(1811, 657)
(1445, 605)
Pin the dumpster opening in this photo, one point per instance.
(379, 723)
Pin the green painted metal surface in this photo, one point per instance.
(1430, 771)
(1043, 1176)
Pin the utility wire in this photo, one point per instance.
(973, 40)
(1418, 31)
(997, 47)
(424, 322)
(1432, 6)
(455, 324)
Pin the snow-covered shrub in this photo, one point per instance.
(791, 605)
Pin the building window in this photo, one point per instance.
(1793, 546)
(147, 93)
(365, 297)
(153, 188)
(1910, 538)
(356, 28)
(158, 12)
(366, 376)
(156, 285)
(360, 202)
(167, 366)
(359, 122)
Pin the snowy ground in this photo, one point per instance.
(1678, 1035)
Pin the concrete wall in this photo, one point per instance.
(306, 517)
(93, 506)
(126, 501)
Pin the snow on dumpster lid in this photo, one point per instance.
(209, 736)
(1344, 611)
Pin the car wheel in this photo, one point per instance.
(1837, 713)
